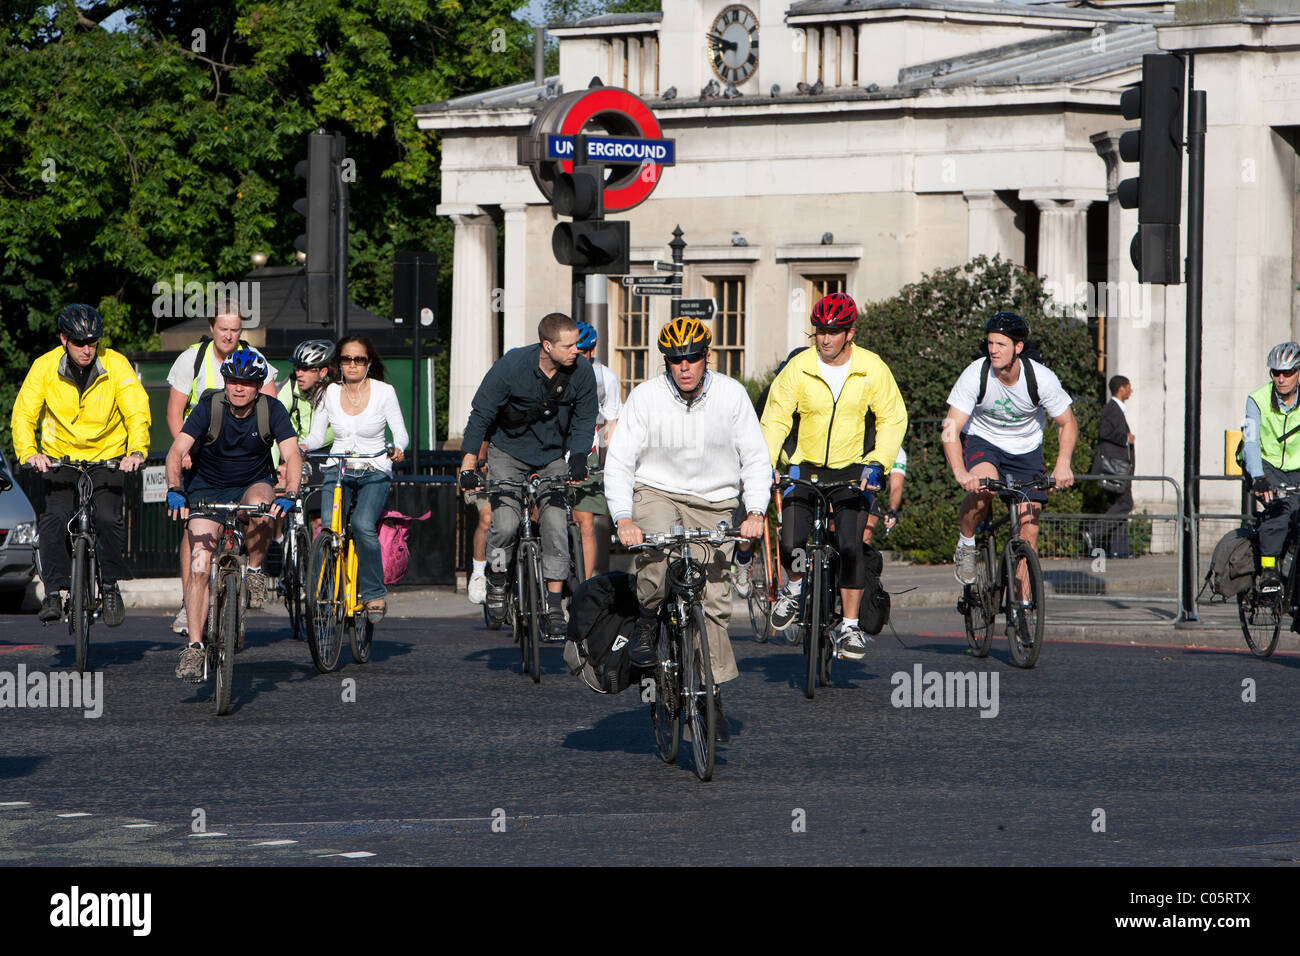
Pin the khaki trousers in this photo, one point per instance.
(655, 511)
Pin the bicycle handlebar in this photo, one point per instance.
(1041, 483)
(57, 463)
(322, 455)
(204, 508)
(672, 539)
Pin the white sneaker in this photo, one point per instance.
(785, 608)
(478, 589)
(966, 561)
(852, 642)
(181, 624)
(742, 577)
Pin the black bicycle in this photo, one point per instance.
(86, 592)
(1011, 585)
(684, 678)
(294, 564)
(1261, 614)
(526, 586)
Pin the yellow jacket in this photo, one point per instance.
(108, 420)
(832, 433)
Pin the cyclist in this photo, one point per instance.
(198, 370)
(1271, 422)
(897, 476)
(609, 407)
(302, 396)
(851, 418)
(534, 405)
(996, 414)
(686, 442)
(231, 432)
(91, 407)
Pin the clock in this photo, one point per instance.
(733, 44)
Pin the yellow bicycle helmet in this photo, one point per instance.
(684, 336)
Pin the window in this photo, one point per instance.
(818, 286)
(632, 343)
(729, 325)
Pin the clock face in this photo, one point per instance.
(733, 44)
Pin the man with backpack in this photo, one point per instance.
(994, 429)
(198, 370)
(1272, 455)
(230, 432)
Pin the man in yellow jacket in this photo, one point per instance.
(90, 407)
(838, 390)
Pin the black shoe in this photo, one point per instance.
(557, 628)
(495, 599)
(114, 610)
(51, 609)
(643, 653)
(724, 732)
(1270, 582)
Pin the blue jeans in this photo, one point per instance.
(370, 491)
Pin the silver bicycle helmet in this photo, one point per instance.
(1284, 357)
(314, 353)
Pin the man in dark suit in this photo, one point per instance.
(1115, 441)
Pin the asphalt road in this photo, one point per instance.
(449, 755)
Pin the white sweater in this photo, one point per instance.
(706, 450)
(361, 434)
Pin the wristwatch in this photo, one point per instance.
(755, 514)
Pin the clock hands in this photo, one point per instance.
(722, 42)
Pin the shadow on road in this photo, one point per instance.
(507, 659)
(790, 669)
(12, 767)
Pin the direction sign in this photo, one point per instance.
(616, 150)
(655, 290)
(695, 308)
(652, 280)
(668, 266)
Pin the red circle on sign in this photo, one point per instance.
(614, 100)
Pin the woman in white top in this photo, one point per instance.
(358, 407)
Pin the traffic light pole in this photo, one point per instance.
(338, 149)
(1196, 114)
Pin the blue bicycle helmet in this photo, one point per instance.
(244, 365)
(586, 337)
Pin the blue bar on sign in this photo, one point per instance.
(615, 150)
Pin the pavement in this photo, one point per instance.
(1128, 601)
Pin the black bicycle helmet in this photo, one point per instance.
(81, 323)
(1008, 324)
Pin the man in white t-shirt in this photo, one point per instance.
(186, 388)
(591, 498)
(994, 429)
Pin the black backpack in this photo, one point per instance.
(1232, 568)
(873, 614)
(1031, 380)
(602, 618)
(261, 409)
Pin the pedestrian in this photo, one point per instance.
(1115, 445)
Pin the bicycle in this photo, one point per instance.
(766, 582)
(993, 592)
(525, 584)
(332, 574)
(1260, 615)
(296, 552)
(819, 612)
(226, 595)
(684, 676)
(86, 591)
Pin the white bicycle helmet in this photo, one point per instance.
(1284, 357)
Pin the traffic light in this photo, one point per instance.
(320, 208)
(590, 244)
(1157, 147)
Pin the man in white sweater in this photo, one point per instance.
(686, 440)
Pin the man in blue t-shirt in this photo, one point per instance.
(234, 465)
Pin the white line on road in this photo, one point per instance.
(212, 833)
(16, 803)
(68, 816)
(274, 843)
(137, 826)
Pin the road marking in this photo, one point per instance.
(137, 826)
(352, 855)
(16, 803)
(212, 833)
(68, 816)
(274, 843)
(19, 647)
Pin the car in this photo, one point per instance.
(18, 559)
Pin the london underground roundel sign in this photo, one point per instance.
(623, 136)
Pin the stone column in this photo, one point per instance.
(992, 227)
(1063, 248)
(473, 323)
(514, 328)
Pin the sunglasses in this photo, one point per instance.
(82, 343)
(1282, 371)
(679, 359)
(310, 368)
(354, 360)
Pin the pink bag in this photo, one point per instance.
(394, 529)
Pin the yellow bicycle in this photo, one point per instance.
(333, 603)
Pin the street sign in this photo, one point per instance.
(695, 308)
(652, 280)
(668, 266)
(655, 290)
(153, 484)
(615, 150)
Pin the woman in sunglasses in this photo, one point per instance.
(360, 406)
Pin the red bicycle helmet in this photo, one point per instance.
(837, 312)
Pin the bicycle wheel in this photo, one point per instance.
(325, 611)
(1026, 634)
(536, 615)
(223, 648)
(361, 635)
(293, 578)
(812, 597)
(759, 600)
(1261, 621)
(665, 706)
(697, 693)
(577, 560)
(831, 616)
(79, 596)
